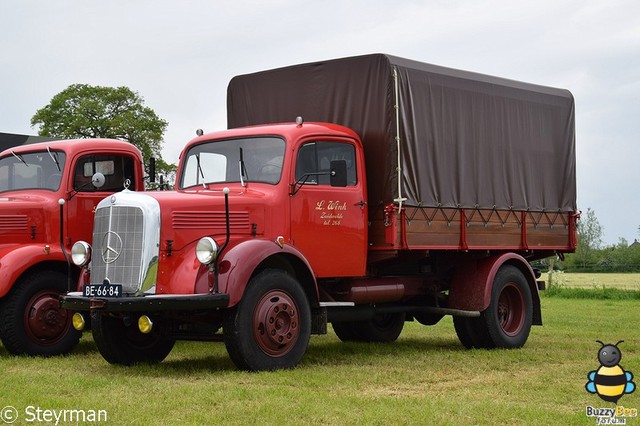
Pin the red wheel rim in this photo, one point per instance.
(511, 310)
(276, 323)
(45, 321)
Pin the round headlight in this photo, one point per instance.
(81, 253)
(206, 250)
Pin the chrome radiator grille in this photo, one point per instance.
(118, 247)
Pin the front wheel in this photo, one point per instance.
(32, 322)
(120, 342)
(271, 326)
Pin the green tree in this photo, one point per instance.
(84, 111)
(589, 239)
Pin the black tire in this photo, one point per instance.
(472, 333)
(509, 316)
(382, 328)
(32, 322)
(345, 330)
(123, 344)
(425, 318)
(271, 326)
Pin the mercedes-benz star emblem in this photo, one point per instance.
(111, 247)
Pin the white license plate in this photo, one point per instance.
(102, 290)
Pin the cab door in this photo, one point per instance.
(328, 222)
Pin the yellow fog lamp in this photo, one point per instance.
(78, 321)
(145, 324)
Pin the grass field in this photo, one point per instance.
(426, 377)
(630, 281)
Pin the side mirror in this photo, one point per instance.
(98, 180)
(338, 173)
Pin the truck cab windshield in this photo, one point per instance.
(220, 161)
(31, 170)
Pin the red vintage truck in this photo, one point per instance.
(48, 193)
(412, 192)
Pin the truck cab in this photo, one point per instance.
(292, 174)
(48, 193)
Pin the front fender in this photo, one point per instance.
(16, 259)
(238, 264)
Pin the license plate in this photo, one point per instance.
(102, 290)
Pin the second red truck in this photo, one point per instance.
(48, 193)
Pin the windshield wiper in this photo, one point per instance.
(19, 157)
(204, 180)
(243, 169)
(55, 159)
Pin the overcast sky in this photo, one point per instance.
(180, 55)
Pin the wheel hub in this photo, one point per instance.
(511, 310)
(276, 323)
(46, 320)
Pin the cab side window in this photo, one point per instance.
(116, 169)
(314, 161)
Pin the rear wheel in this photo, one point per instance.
(472, 333)
(509, 316)
(381, 328)
(270, 328)
(32, 322)
(120, 342)
(345, 330)
(507, 321)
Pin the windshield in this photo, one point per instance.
(31, 170)
(220, 161)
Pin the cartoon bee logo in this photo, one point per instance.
(610, 381)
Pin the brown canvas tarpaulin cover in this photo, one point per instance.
(466, 140)
(9, 140)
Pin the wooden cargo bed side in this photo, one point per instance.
(434, 228)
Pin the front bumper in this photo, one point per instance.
(75, 301)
